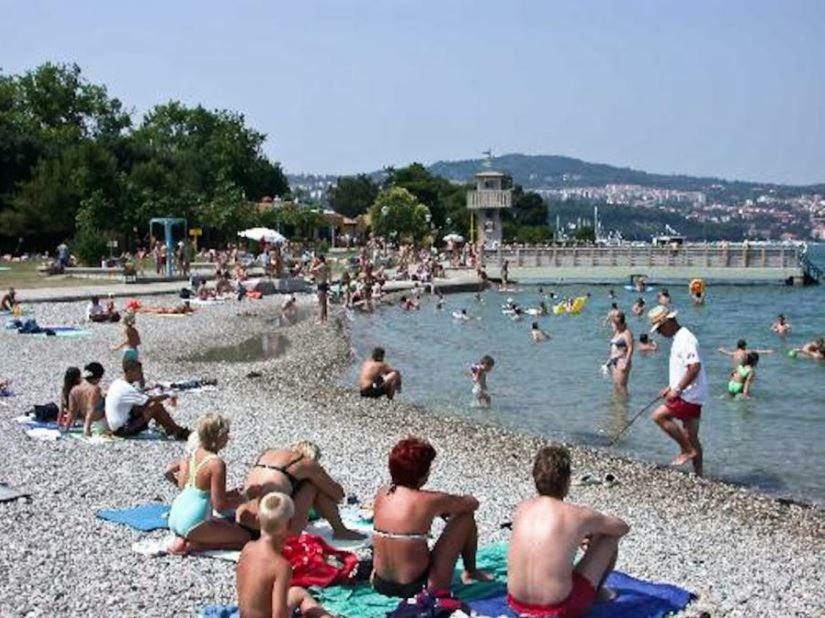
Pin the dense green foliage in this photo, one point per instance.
(353, 195)
(69, 154)
(397, 213)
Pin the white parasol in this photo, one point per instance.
(265, 234)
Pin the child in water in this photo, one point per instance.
(479, 372)
(742, 377)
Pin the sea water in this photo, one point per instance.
(774, 441)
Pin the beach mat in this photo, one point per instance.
(63, 334)
(7, 494)
(146, 517)
(351, 516)
(155, 547)
(637, 598)
(220, 611)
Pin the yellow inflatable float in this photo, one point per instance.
(574, 308)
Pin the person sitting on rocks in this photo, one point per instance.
(202, 479)
(404, 513)
(71, 378)
(8, 301)
(86, 401)
(296, 472)
(129, 411)
(378, 378)
(95, 312)
(543, 578)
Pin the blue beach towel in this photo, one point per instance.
(220, 611)
(637, 599)
(146, 518)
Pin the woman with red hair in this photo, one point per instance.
(404, 565)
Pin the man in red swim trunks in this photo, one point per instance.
(687, 388)
(547, 533)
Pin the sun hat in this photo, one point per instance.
(659, 315)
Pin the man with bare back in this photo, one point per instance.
(377, 378)
(543, 578)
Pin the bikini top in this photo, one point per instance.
(619, 342)
(282, 469)
(385, 534)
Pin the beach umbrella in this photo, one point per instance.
(265, 234)
(454, 237)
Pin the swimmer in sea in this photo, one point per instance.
(537, 335)
(478, 298)
(741, 378)
(664, 297)
(439, 301)
(611, 294)
(479, 372)
(740, 354)
(639, 306)
(543, 310)
(781, 325)
(646, 344)
(813, 349)
(461, 315)
(621, 353)
(409, 304)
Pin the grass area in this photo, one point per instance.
(24, 276)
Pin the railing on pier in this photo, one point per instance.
(700, 256)
(810, 271)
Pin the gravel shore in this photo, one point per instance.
(742, 553)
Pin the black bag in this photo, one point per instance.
(46, 413)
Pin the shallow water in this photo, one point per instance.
(773, 441)
(252, 349)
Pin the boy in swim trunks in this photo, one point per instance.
(479, 372)
(263, 575)
(543, 578)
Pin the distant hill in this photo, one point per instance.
(553, 172)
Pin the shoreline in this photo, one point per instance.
(757, 555)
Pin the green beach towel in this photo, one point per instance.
(361, 601)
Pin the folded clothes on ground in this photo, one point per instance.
(146, 517)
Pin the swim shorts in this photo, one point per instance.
(376, 390)
(323, 288)
(134, 425)
(683, 410)
(405, 591)
(577, 603)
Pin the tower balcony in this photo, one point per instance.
(489, 199)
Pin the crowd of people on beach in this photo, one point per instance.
(286, 487)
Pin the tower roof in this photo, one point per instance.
(489, 174)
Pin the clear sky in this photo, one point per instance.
(728, 87)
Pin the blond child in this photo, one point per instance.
(263, 575)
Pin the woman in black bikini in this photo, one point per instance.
(404, 513)
(295, 471)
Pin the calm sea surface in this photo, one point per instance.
(774, 441)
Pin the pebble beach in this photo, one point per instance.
(742, 553)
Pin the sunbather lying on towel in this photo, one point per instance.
(547, 532)
(182, 308)
(202, 479)
(404, 513)
(296, 472)
(263, 574)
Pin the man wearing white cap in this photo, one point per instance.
(687, 388)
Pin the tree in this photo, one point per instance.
(529, 208)
(353, 195)
(396, 211)
(585, 234)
